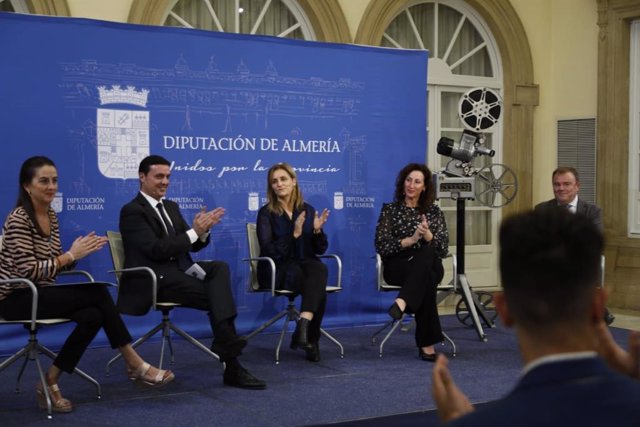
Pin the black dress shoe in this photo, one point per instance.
(229, 350)
(395, 312)
(427, 357)
(241, 378)
(313, 352)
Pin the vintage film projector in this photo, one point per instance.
(493, 185)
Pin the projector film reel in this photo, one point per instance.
(479, 109)
(496, 185)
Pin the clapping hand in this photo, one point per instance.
(85, 245)
(297, 226)
(422, 231)
(203, 221)
(621, 360)
(320, 219)
(450, 401)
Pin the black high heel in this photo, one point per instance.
(313, 352)
(427, 357)
(395, 312)
(300, 335)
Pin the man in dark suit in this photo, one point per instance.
(566, 185)
(549, 263)
(155, 235)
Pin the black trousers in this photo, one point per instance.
(308, 278)
(418, 272)
(213, 295)
(89, 305)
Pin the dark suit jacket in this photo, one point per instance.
(592, 212)
(567, 393)
(147, 244)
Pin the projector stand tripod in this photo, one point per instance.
(460, 284)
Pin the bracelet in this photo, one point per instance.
(318, 231)
(70, 256)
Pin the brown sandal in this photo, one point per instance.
(60, 405)
(162, 378)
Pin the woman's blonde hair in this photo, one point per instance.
(273, 204)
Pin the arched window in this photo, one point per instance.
(18, 6)
(281, 18)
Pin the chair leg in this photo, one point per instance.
(192, 341)
(396, 324)
(335, 341)
(450, 341)
(406, 327)
(374, 337)
(135, 344)
(268, 323)
(44, 350)
(43, 381)
(292, 314)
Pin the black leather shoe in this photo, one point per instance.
(395, 312)
(427, 357)
(229, 350)
(313, 352)
(300, 335)
(241, 378)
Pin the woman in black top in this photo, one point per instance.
(412, 239)
(290, 232)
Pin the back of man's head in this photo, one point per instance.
(550, 267)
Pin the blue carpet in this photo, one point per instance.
(361, 389)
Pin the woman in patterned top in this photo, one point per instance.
(31, 249)
(412, 239)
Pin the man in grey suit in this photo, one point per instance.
(550, 270)
(566, 185)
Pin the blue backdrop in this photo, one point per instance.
(97, 97)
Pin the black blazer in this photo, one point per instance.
(571, 392)
(147, 244)
(592, 212)
(275, 235)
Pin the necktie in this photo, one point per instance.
(183, 259)
(170, 230)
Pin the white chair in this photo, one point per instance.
(165, 326)
(33, 348)
(290, 312)
(393, 324)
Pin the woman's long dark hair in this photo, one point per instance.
(427, 197)
(27, 172)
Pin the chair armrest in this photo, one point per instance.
(84, 273)
(150, 272)
(454, 266)
(34, 297)
(338, 261)
(379, 277)
(272, 265)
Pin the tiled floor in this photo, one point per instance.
(626, 319)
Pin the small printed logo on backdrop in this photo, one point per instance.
(57, 203)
